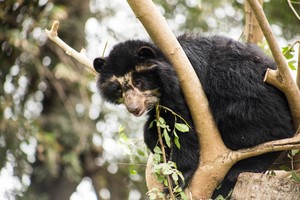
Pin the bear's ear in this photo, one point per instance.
(146, 53)
(98, 64)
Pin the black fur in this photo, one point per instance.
(246, 110)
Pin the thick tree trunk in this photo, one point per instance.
(257, 186)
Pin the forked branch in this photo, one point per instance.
(79, 56)
(280, 78)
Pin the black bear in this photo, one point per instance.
(246, 110)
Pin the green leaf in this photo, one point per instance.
(295, 176)
(151, 124)
(167, 171)
(161, 195)
(172, 164)
(166, 182)
(295, 151)
(161, 123)
(285, 168)
(220, 197)
(157, 150)
(156, 159)
(132, 170)
(121, 129)
(292, 64)
(141, 152)
(160, 178)
(176, 141)
(183, 195)
(175, 177)
(284, 49)
(167, 138)
(152, 196)
(123, 137)
(288, 55)
(181, 176)
(161, 120)
(182, 127)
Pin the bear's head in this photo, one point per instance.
(129, 76)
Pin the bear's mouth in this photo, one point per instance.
(138, 102)
(138, 113)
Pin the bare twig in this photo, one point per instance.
(80, 57)
(163, 152)
(291, 47)
(293, 9)
(175, 114)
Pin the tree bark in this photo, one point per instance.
(298, 69)
(252, 32)
(254, 186)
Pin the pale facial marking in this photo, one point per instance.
(136, 101)
(141, 68)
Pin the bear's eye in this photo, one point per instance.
(139, 83)
(119, 91)
(115, 88)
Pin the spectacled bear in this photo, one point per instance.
(246, 110)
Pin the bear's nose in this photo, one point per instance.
(134, 101)
(133, 108)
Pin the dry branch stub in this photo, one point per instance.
(79, 56)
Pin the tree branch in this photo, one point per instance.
(293, 9)
(80, 57)
(298, 69)
(280, 78)
(272, 146)
(162, 36)
(252, 32)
